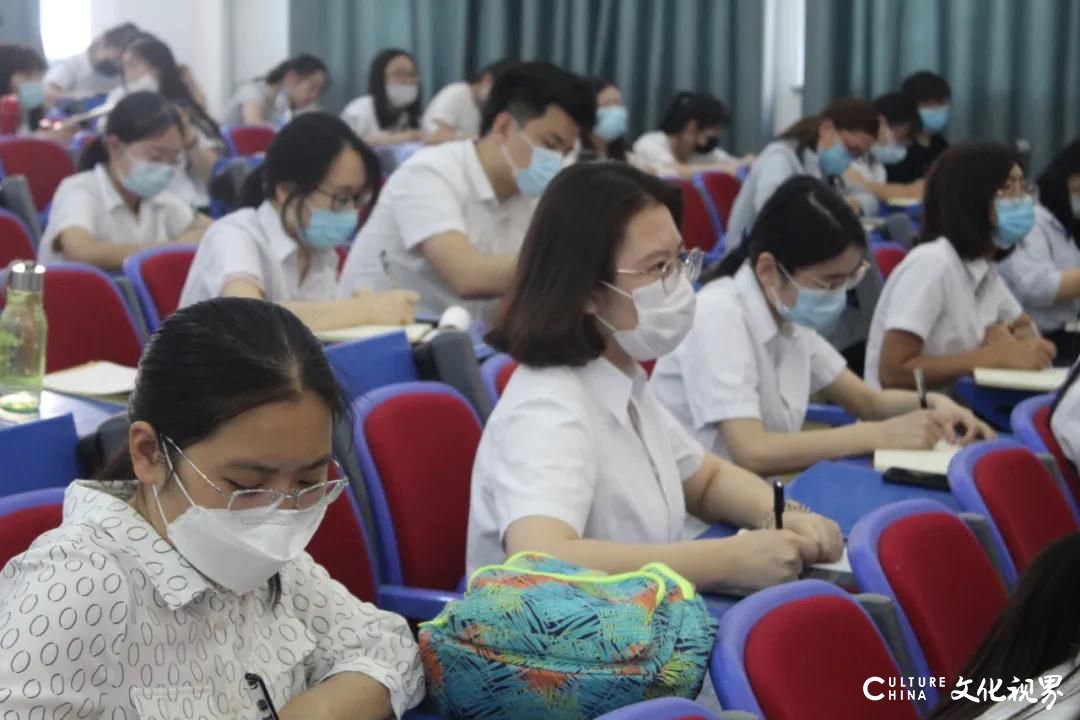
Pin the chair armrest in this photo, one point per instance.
(414, 603)
(828, 415)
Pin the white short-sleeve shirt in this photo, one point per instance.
(737, 362)
(561, 444)
(89, 200)
(654, 149)
(78, 78)
(103, 618)
(251, 244)
(437, 190)
(1065, 423)
(454, 106)
(1033, 271)
(944, 300)
(361, 117)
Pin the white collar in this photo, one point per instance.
(762, 321)
(111, 196)
(612, 387)
(282, 245)
(104, 506)
(474, 172)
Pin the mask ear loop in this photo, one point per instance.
(171, 472)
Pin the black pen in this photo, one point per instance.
(920, 388)
(261, 696)
(778, 504)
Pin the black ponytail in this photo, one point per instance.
(138, 116)
(804, 223)
(302, 64)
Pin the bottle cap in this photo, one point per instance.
(26, 276)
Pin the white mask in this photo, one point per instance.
(663, 319)
(147, 82)
(240, 549)
(401, 95)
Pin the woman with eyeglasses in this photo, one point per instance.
(157, 595)
(300, 205)
(579, 459)
(742, 380)
(119, 204)
(390, 112)
(945, 309)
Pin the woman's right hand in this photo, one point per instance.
(919, 430)
(1032, 353)
(763, 558)
(391, 307)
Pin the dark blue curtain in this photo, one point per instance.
(20, 22)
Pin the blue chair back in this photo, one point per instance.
(669, 708)
(1023, 425)
(38, 454)
(489, 371)
(364, 365)
(25, 516)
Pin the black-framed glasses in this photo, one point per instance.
(258, 501)
(686, 264)
(340, 202)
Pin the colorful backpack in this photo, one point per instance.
(540, 638)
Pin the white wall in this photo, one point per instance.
(785, 26)
(222, 41)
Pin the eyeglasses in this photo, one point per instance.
(686, 264)
(339, 203)
(850, 282)
(403, 75)
(258, 501)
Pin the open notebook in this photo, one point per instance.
(1033, 380)
(414, 332)
(935, 462)
(96, 379)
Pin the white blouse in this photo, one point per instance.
(563, 443)
(103, 618)
(1033, 271)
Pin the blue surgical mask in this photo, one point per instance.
(1015, 218)
(889, 154)
(835, 159)
(814, 308)
(1074, 203)
(543, 167)
(31, 94)
(147, 179)
(934, 119)
(611, 122)
(327, 229)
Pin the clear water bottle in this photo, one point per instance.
(22, 339)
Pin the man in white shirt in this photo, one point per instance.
(688, 141)
(94, 72)
(454, 112)
(450, 221)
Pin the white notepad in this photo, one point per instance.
(1034, 380)
(94, 379)
(904, 202)
(415, 332)
(934, 461)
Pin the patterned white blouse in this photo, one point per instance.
(102, 618)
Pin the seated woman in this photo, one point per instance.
(945, 308)
(1036, 639)
(579, 459)
(688, 141)
(742, 380)
(900, 123)
(300, 205)
(293, 86)
(1044, 271)
(119, 205)
(149, 65)
(1065, 418)
(822, 146)
(158, 594)
(390, 112)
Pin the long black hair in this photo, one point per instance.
(301, 155)
(137, 116)
(1038, 630)
(1053, 185)
(385, 113)
(960, 190)
(157, 55)
(804, 223)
